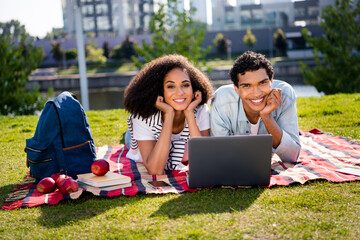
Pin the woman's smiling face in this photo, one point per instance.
(253, 89)
(178, 92)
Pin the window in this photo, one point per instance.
(101, 9)
(299, 12)
(272, 15)
(313, 11)
(87, 10)
(103, 23)
(229, 17)
(257, 14)
(245, 15)
(89, 24)
(146, 7)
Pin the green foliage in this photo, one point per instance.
(17, 61)
(14, 29)
(172, 32)
(336, 54)
(71, 54)
(222, 44)
(125, 50)
(106, 49)
(57, 51)
(279, 41)
(249, 39)
(127, 47)
(94, 54)
(116, 52)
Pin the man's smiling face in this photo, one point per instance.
(253, 89)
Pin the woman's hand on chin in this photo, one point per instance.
(195, 102)
(164, 107)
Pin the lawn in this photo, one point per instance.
(315, 210)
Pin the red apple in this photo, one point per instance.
(46, 185)
(55, 176)
(69, 185)
(60, 179)
(100, 167)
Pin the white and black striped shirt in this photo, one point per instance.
(150, 129)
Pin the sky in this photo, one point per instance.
(38, 16)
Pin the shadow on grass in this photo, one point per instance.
(85, 207)
(68, 211)
(214, 200)
(5, 191)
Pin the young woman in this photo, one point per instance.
(167, 101)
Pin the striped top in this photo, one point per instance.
(150, 129)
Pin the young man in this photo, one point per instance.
(257, 104)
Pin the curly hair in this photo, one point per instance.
(141, 93)
(250, 61)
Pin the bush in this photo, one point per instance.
(279, 41)
(94, 54)
(71, 54)
(125, 50)
(337, 53)
(173, 32)
(222, 44)
(249, 38)
(17, 61)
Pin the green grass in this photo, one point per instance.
(315, 210)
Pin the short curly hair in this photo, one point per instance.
(141, 93)
(250, 61)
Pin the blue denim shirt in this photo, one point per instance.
(227, 117)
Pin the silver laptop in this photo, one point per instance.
(243, 160)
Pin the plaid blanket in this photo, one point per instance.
(320, 156)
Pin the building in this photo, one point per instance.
(256, 14)
(106, 18)
(203, 11)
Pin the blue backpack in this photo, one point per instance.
(63, 141)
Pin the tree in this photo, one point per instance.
(336, 54)
(106, 49)
(222, 44)
(93, 53)
(172, 32)
(249, 38)
(17, 61)
(125, 50)
(71, 54)
(14, 28)
(279, 40)
(128, 47)
(57, 51)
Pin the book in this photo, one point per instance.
(108, 179)
(106, 188)
(353, 171)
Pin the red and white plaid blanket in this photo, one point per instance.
(320, 156)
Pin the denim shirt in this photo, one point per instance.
(227, 117)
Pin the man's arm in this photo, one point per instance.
(218, 125)
(289, 147)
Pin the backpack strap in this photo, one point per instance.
(61, 130)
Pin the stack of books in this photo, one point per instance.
(110, 181)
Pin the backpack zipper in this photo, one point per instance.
(35, 150)
(42, 161)
(76, 146)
